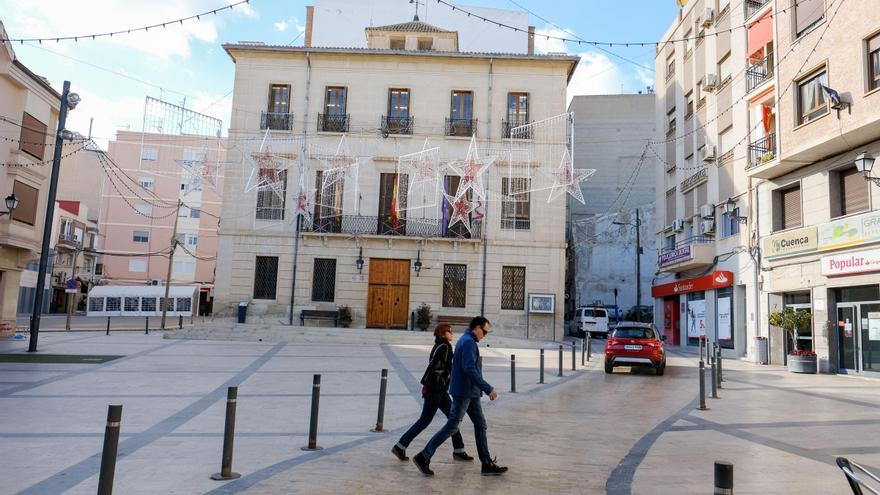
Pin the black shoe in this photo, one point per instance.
(423, 464)
(399, 453)
(492, 469)
(461, 456)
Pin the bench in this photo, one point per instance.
(454, 320)
(315, 314)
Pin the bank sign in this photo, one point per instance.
(675, 256)
(792, 242)
(850, 263)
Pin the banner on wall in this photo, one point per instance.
(724, 319)
(696, 318)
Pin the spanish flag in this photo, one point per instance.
(681, 3)
(394, 219)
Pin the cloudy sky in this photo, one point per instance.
(185, 64)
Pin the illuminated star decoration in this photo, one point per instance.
(305, 199)
(461, 210)
(266, 170)
(201, 172)
(471, 170)
(568, 179)
(424, 166)
(340, 165)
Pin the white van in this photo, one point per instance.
(593, 319)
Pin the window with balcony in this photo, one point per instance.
(140, 236)
(33, 136)
(265, 277)
(392, 204)
(689, 102)
(272, 201)
(277, 115)
(327, 215)
(669, 242)
(725, 67)
(398, 120)
(517, 112)
(850, 192)
(787, 208)
(670, 122)
(324, 280)
(334, 118)
(811, 103)
(730, 223)
(873, 46)
(26, 212)
(515, 203)
(461, 114)
(670, 206)
(688, 44)
(670, 67)
(807, 15)
(454, 285)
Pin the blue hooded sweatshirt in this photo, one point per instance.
(467, 374)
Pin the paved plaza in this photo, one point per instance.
(587, 432)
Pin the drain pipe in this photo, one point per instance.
(302, 170)
(485, 225)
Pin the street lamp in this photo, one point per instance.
(730, 210)
(418, 264)
(359, 263)
(864, 164)
(12, 202)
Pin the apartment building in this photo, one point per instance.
(74, 243)
(29, 109)
(818, 213)
(358, 245)
(146, 176)
(705, 283)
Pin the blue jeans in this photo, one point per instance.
(460, 406)
(434, 400)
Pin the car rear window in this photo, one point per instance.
(599, 313)
(634, 333)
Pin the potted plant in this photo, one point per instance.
(799, 360)
(345, 316)
(423, 316)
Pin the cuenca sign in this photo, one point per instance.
(850, 263)
(846, 232)
(714, 280)
(667, 258)
(791, 242)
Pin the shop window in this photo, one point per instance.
(725, 325)
(96, 304)
(132, 304)
(184, 304)
(695, 317)
(148, 304)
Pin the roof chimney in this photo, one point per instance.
(310, 18)
(531, 40)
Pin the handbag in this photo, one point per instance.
(435, 378)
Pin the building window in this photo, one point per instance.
(670, 206)
(96, 304)
(279, 98)
(137, 265)
(515, 203)
(148, 183)
(271, 203)
(398, 120)
(426, 44)
(518, 108)
(807, 15)
(195, 212)
(324, 280)
(462, 105)
(192, 240)
(114, 304)
(33, 136)
(26, 212)
(184, 304)
(670, 121)
(335, 100)
(145, 210)
(398, 44)
(873, 45)
(454, 285)
(670, 67)
(328, 205)
(393, 191)
(149, 154)
(787, 208)
(669, 242)
(811, 100)
(849, 192)
(688, 44)
(140, 236)
(265, 277)
(513, 287)
(132, 303)
(167, 304)
(148, 304)
(725, 66)
(689, 102)
(730, 223)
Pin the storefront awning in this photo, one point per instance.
(714, 280)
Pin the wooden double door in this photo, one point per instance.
(388, 295)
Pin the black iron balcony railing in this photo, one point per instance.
(508, 125)
(461, 127)
(67, 240)
(696, 239)
(752, 6)
(397, 125)
(515, 223)
(333, 122)
(404, 227)
(762, 150)
(759, 72)
(276, 121)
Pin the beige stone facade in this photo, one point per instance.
(369, 76)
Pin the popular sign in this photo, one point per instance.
(675, 256)
(849, 263)
(714, 280)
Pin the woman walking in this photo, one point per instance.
(435, 383)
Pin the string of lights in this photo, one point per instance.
(43, 163)
(110, 34)
(194, 255)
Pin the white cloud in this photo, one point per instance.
(281, 26)
(596, 75)
(109, 114)
(645, 76)
(545, 43)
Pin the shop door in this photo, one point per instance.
(869, 337)
(847, 321)
(388, 294)
(670, 322)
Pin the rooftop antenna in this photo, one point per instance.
(416, 3)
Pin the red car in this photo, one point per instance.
(635, 345)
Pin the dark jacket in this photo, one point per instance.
(436, 377)
(467, 370)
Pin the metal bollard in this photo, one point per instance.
(147, 327)
(228, 437)
(180, 322)
(541, 380)
(718, 363)
(714, 378)
(702, 387)
(380, 416)
(313, 423)
(723, 478)
(111, 445)
(560, 360)
(589, 346)
(573, 354)
(108, 325)
(701, 347)
(583, 352)
(513, 373)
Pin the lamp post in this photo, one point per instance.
(69, 101)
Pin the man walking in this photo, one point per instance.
(466, 387)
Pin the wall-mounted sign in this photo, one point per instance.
(696, 318)
(850, 231)
(791, 242)
(542, 303)
(850, 263)
(714, 280)
(674, 256)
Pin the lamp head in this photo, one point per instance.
(729, 206)
(73, 100)
(864, 163)
(12, 202)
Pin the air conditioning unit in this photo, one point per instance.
(707, 211)
(707, 227)
(708, 17)
(678, 225)
(708, 153)
(710, 82)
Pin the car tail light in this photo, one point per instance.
(612, 342)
